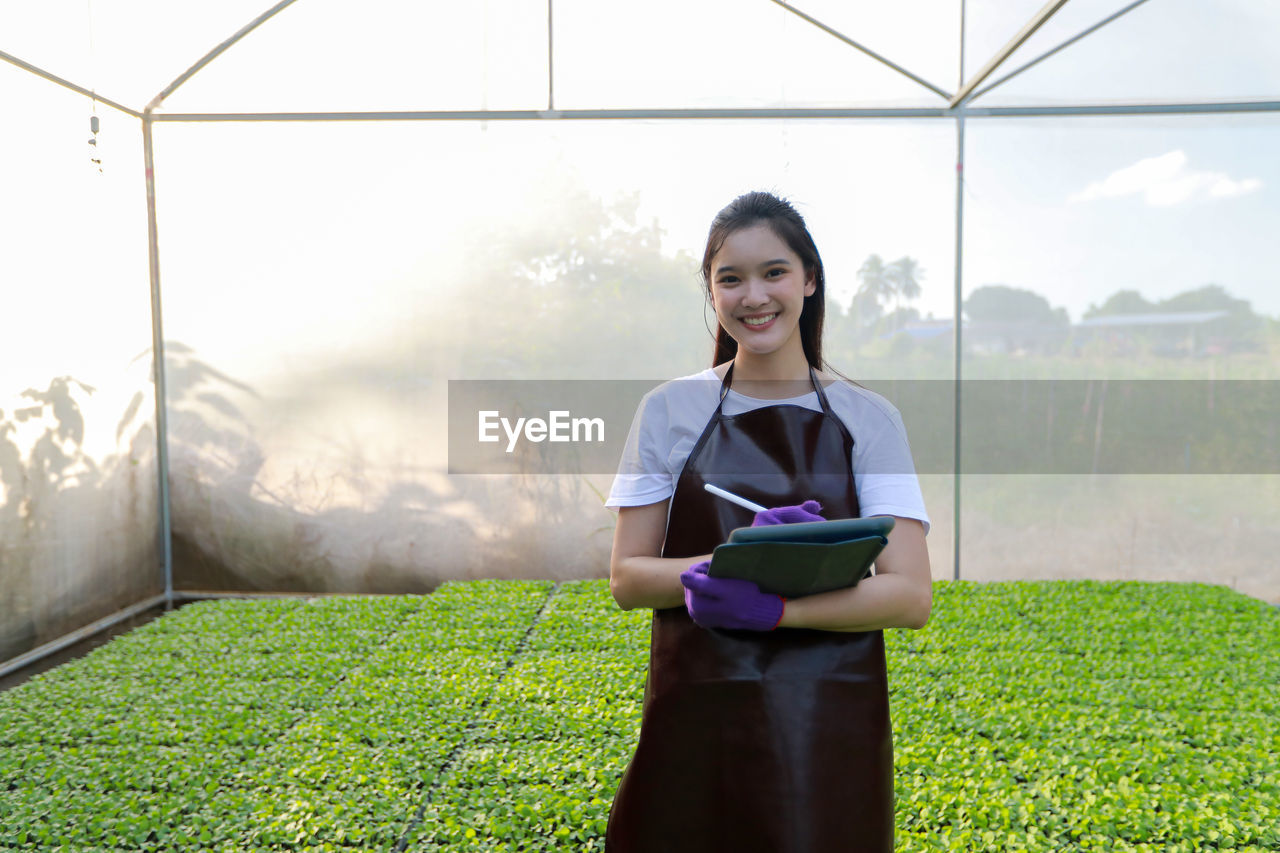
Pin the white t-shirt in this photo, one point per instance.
(672, 416)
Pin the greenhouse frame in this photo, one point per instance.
(282, 428)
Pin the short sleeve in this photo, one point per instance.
(643, 477)
(884, 471)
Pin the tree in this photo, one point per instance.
(1210, 297)
(1018, 318)
(1120, 302)
(865, 308)
(1242, 328)
(874, 284)
(999, 303)
(905, 274)
(581, 290)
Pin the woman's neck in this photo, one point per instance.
(774, 376)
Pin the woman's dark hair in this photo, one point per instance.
(761, 208)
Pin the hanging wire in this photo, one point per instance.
(786, 153)
(484, 62)
(95, 156)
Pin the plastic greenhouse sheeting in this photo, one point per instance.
(324, 279)
(78, 515)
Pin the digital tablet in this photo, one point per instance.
(797, 569)
(805, 558)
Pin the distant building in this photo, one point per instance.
(1166, 333)
(922, 329)
(986, 338)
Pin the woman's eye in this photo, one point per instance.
(776, 272)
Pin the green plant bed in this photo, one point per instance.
(500, 715)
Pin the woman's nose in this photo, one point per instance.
(755, 293)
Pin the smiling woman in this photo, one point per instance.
(776, 711)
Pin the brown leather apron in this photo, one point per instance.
(779, 741)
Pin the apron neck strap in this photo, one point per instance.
(822, 395)
(724, 385)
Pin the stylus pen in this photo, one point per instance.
(730, 496)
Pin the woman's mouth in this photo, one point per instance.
(759, 322)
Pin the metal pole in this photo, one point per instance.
(868, 51)
(959, 294)
(1037, 20)
(41, 652)
(1042, 57)
(956, 356)
(157, 361)
(54, 78)
(576, 115)
(215, 53)
(551, 74)
(793, 113)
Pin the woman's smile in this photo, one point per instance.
(759, 322)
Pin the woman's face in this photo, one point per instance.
(758, 286)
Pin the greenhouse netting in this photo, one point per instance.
(326, 218)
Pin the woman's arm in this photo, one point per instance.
(899, 595)
(638, 577)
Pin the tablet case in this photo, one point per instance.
(837, 530)
(795, 560)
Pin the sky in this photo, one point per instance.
(1074, 209)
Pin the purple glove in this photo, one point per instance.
(729, 602)
(807, 511)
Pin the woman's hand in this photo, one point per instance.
(807, 511)
(729, 602)
(898, 595)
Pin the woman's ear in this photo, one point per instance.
(811, 283)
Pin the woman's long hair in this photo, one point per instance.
(761, 208)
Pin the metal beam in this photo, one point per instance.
(54, 78)
(730, 113)
(1045, 13)
(957, 351)
(868, 51)
(551, 55)
(1042, 57)
(1126, 109)
(185, 595)
(41, 652)
(157, 366)
(538, 115)
(215, 53)
(157, 324)
(957, 296)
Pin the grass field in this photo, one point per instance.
(499, 715)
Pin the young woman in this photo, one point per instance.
(766, 722)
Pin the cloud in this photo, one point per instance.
(1165, 181)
